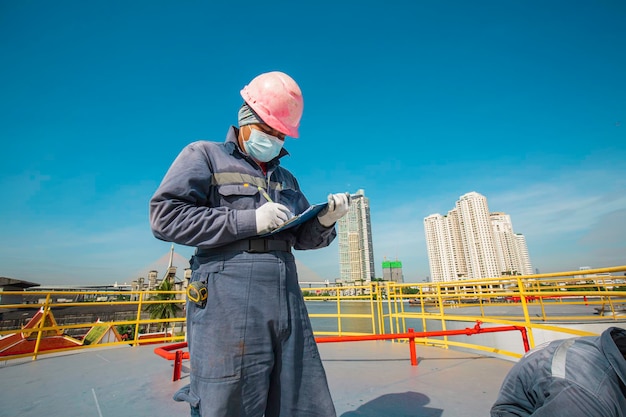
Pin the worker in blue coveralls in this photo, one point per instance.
(576, 377)
(252, 350)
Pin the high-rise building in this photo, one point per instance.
(470, 242)
(505, 243)
(392, 271)
(356, 251)
(440, 249)
(526, 268)
(477, 236)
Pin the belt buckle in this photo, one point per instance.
(258, 246)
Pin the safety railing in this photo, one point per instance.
(560, 302)
(55, 321)
(411, 336)
(177, 352)
(544, 302)
(353, 309)
(556, 302)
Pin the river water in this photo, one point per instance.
(353, 324)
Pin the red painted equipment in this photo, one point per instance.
(177, 356)
(174, 352)
(411, 335)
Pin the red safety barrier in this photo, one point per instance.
(411, 335)
(174, 351)
(177, 356)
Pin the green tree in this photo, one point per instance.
(165, 310)
(409, 290)
(126, 329)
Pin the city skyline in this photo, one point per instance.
(414, 102)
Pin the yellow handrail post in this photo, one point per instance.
(423, 306)
(379, 304)
(402, 310)
(541, 303)
(138, 319)
(522, 292)
(387, 289)
(442, 314)
(372, 309)
(338, 299)
(42, 324)
(480, 298)
(612, 307)
(391, 303)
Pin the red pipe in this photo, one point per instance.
(412, 350)
(411, 335)
(166, 351)
(178, 365)
(178, 355)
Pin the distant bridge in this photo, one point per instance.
(316, 284)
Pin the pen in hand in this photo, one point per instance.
(269, 200)
(265, 194)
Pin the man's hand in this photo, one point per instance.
(338, 205)
(271, 215)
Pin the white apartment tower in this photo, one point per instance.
(456, 243)
(477, 236)
(472, 243)
(356, 252)
(439, 245)
(526, 268)
(506, 243)
(511, 247)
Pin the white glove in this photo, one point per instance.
(271, 215)
(338, 205)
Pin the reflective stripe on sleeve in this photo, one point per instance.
(558, 360)
(224, 178)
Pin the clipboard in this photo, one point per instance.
(305, 216)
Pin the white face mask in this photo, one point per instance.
(262, 146)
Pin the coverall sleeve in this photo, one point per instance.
(571, 401)
(312, 235)
(515, 398)
(530, 390)
(180, 211)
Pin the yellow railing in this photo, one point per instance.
(342, 297)
(49, 302)
(561, 302)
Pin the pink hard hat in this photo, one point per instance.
(276, 98)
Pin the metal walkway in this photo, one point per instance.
(367, 379)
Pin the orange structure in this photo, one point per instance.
(24, 342)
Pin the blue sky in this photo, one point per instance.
(416, 102)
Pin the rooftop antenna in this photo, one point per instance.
(171, 269)
(171, 257)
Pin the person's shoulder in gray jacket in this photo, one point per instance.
(581, 376)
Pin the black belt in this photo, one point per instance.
(249, 245)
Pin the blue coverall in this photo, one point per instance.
(577, 377)
(251, 346)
